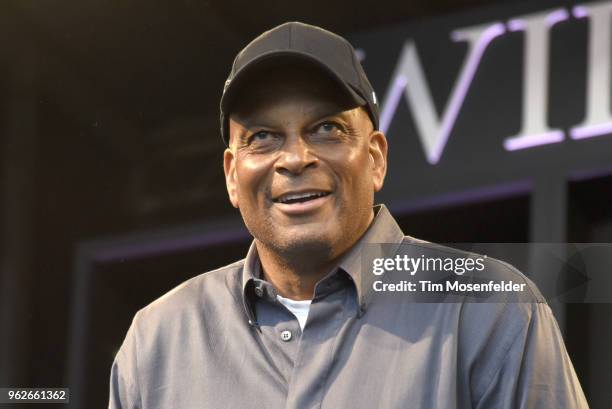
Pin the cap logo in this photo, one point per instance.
(226, 85)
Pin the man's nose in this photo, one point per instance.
(296, 155)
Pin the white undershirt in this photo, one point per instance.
(298, 308)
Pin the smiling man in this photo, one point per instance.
(302, 165)
(297, 323)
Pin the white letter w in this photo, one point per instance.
(409, 77)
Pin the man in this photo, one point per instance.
(298, 323)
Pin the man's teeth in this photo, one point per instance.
(300, 197)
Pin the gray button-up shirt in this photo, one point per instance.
(222, 340)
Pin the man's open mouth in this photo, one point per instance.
(299, 197)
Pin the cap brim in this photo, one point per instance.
(243, 75)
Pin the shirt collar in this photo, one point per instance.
(382, 239)
(382, 230)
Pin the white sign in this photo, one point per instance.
(434, 129)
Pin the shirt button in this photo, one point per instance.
(259, 291)
(286, 335)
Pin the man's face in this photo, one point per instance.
(303, 164)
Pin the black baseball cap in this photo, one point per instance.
(294, 40)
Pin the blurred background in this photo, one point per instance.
(112, 189)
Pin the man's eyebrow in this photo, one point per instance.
(330, 113)
(242, 120)
(248, 122)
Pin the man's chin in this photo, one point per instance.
(305, 243)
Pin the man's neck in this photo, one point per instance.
(292, 280)
(295, 276)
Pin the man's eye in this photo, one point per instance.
(259, 136)
(327, 127)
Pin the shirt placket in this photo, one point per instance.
(304, 357)
(329, 313)
(279, 331)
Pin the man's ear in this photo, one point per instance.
(229, 167)
(378, 155)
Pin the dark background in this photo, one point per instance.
(112, 189)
